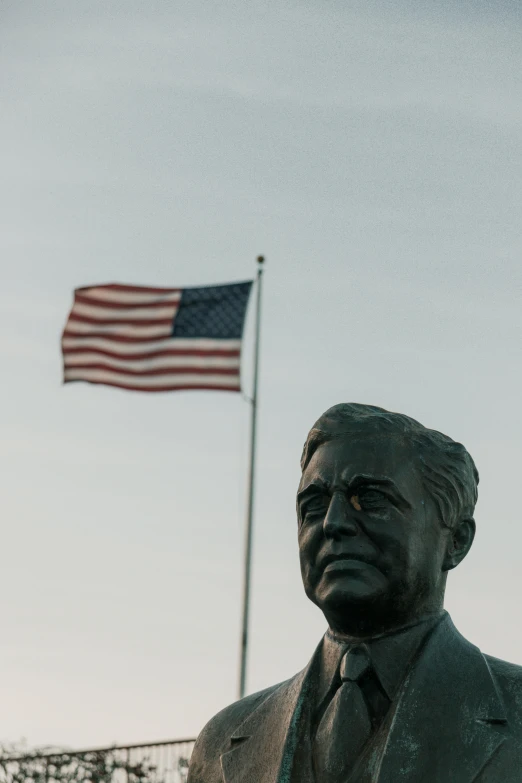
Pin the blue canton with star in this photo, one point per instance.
(215, 312)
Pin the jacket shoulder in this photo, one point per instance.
(507, 674)
(214, 738)
(508, 677)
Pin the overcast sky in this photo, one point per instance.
(372, 151)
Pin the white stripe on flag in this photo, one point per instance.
(79, 327)
(122, 348)
(122, 314)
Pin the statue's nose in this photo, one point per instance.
(339, 519)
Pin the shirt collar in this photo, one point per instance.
(390, 653)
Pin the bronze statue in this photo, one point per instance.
(393, 693)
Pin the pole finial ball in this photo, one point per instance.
(260, 259)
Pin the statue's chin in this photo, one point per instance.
(355, 605)
(353, 584)
(351, 599)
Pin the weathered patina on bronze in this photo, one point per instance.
(393, 692)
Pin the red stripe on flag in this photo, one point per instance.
(140, 289)
(158, 371)
(130, 387)
(107, 304)
(86, 319)
(218, 352)
(119, 338)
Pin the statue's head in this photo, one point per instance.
(385, 510)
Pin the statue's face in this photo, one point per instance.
(370, 541)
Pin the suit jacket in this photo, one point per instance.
(456, 719)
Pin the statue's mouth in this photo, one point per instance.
(344, 559)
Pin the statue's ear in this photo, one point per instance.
(459, 543)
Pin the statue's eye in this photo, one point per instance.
(372, 498)
(318, 504)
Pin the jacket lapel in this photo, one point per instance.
(449, 718)
(264, 745)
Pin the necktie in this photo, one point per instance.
(346, 724)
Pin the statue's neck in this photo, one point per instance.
(356, 636)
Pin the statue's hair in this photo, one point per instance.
(447, 470)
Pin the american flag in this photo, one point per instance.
(156, 339)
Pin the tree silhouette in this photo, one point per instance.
(105, 766)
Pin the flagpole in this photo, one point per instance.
(251, 482)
